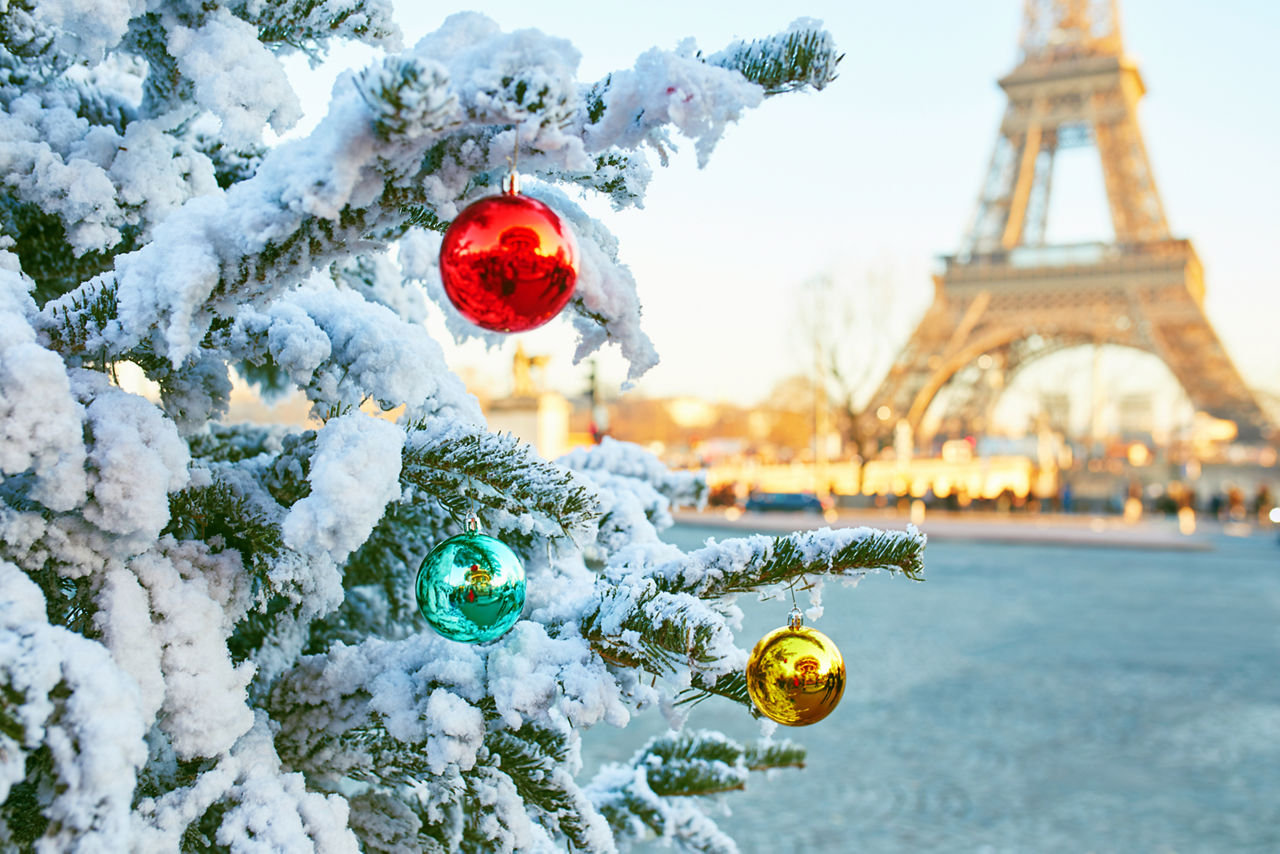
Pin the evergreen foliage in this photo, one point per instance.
(644, 796)
(208, 635)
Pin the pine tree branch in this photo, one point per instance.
(534, 758)
(164, 87)
(732, 686)
(24, 37)
(743, 565)
(46, 254)
(803, 57)
(620, 175)
(761, 756)
(231, 165)
(649, 789)
(408, 97)
(231, 443)
(390, 762)
(637, 625)
(218, 513)
(309, 25)
(466, 471)
(693, 763)
(286, 478)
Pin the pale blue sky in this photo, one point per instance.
(881, 171)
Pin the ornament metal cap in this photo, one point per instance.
(511, 184)
(795, 619)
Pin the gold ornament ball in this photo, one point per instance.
(795, 675)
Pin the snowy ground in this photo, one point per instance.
(1031, 697)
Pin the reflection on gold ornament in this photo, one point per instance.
(795, 675)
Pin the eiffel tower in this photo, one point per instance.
(1007, 298)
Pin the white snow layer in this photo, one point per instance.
(87, 28)
(77, 190)
(40, 419)
(204, 708)
(236, 77)
(700, 100)
(270, 810)
(74, 701)
(354, 474)
(342, 348)
(136, 459)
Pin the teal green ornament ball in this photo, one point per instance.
(471, 588)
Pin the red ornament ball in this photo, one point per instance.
(508, 263)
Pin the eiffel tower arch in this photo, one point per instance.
(1007, 298)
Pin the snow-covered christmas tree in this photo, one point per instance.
(209, 636)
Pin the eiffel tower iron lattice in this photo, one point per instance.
(1007, 298)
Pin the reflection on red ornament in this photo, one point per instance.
(508, 263)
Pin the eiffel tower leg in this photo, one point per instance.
(943, 343)
(1136, 212)
(909, 372)
(1017, 217)
(1183, 339)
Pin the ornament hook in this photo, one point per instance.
(473, 523)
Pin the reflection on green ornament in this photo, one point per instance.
(471, 587)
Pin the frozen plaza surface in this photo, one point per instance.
(1030, 698)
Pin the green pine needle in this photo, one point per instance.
(474, 471)
(784, 63)
(219, 511)
(715, 571)
(732, 686)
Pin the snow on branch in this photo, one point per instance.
(245, 795)
(634, 624)
(40, 419)
(804, 56)
(748, 563)
(701, 97)
(643, 798)
(703, 762)
(357, 179)
(535, 757)
(495, 724)
(342, 349)
(62, 32)
(467, 470)
(220, 512)
(309, 25)
(680, 488)
(234, 76)
(71, 731)
(668, 88)
(175, 643)
(636, 492)
(354, 473)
